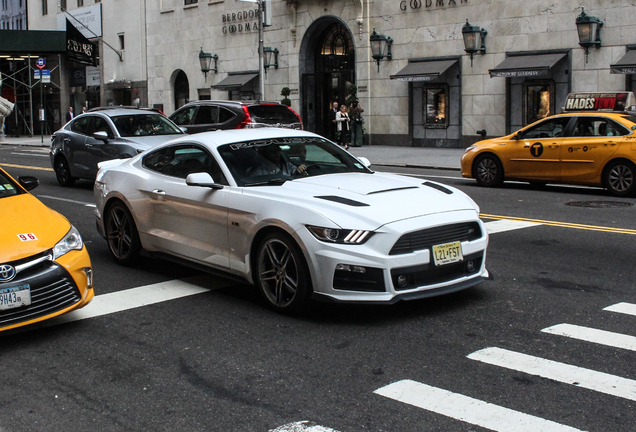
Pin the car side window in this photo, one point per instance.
(225, 115)
(101, 125)
(598, 127)
(82, 124)
(551, 128)
(182, 160)
(184, 117)
(207, 114)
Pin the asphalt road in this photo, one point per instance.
(535, 349)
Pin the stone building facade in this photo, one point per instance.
(430, 93)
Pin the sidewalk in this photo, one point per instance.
(416, 157)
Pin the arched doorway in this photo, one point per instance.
(327, 68)
(181, 90)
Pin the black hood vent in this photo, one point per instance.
(342, 200)
(438, 187)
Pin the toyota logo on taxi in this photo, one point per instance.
(7, 273)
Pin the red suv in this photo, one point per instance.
(207, 115)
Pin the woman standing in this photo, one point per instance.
(356, 123)
(342, 120)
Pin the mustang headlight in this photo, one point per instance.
(71, 241)
(342, 236)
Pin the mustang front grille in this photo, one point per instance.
(427, 238)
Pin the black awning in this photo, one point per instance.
(423, 70)
(235, 80)
(626, 65)
(38, 42)
(526, 65)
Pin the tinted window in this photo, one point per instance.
(82, 125)
(597, 127)
(207, 114)
(257, 162)
(101, 125)
(179, 161)
(8, 186)
(144, 124)
(272, 114)
(551, 128)
(183, 117)
(225, 115)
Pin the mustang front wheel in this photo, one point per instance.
(121, 234)
(281, 273)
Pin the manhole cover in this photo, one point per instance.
(599, 204)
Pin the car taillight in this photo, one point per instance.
(299, 119)
(247, 120)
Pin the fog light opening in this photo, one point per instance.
(402, 280)
(470, 266)
(351, 268)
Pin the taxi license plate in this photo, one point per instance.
(447, 253)
(14, 297)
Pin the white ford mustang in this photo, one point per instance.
(294, 214)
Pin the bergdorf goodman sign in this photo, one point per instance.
(236, 22)
(427, 4)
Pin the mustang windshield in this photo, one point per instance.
(257, 162)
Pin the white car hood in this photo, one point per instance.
(370, 200)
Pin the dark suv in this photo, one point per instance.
(206, 115)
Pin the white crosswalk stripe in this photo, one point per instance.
(467, 409)
(561, 372)
(587, 334)
(624, 308)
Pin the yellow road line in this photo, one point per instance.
(563, 224)
(25, 166)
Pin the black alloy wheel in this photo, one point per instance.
(63, 172)
(281, 273)
(619, 178)
(122, 235)
(488, 170)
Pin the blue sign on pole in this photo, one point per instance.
(40, 63)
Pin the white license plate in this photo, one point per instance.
(447, 253)
(16, 296)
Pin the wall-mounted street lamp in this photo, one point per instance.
(589, 28)
(206, 62)
(474, 40)
(380, 47)
(270, 57)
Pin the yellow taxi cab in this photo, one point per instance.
(45, 270)
(593, 142)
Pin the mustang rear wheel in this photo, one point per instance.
(620, 178)
(488, 170)
(281, 273)
(121, 234)
(63, 172)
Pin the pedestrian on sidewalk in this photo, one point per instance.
(69, 114)
(333, 126)
(342, 120)
(355, 114)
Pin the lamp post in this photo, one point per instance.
(380, 47)
(589, 29)
(268, 53)
(474, 40)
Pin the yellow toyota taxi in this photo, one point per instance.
(45, 270)
(593, 142)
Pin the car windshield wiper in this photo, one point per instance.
(278, 181)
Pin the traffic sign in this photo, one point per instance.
(40, 63)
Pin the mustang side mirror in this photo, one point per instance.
(28, 182)
(202, 179)
(366, 162)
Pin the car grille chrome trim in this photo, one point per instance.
(52, 289)
(427, 238)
